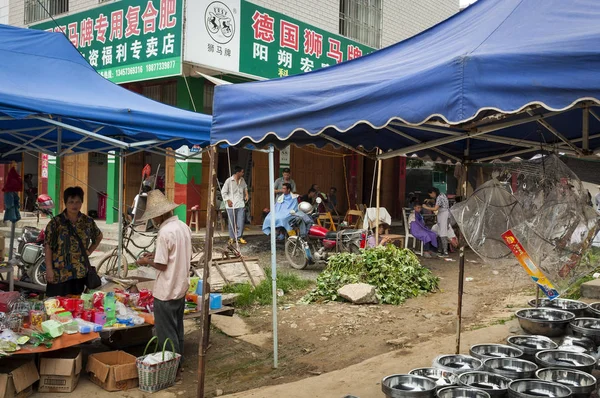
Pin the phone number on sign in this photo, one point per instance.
(165, 65)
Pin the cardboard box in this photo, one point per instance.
(59, 370)
(17, 377)
(113, 371)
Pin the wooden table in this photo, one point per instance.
(64, 341)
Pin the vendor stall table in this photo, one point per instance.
(64, 341)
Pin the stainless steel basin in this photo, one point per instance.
(462, 392)
(493, 384)
(485, 351)
(578, 308)
(587, 327)
(407, 386)
(565, 360)
(530, 345)
(580, 383)
(534, 388)
(441, 378)
(513, 368)
(457, 363)
(544, 321)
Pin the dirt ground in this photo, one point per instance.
(320, 338)
(317, 339)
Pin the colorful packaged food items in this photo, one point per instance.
(52, 305)
(99, 318)
(62, 317)
(98, 300)
(36, 318)
(87, 315)
(134, 300)
(87, 299)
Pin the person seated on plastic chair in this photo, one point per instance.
(285, 203)
(419, 230)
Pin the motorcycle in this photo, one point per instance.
(30, 255)
(317, 243)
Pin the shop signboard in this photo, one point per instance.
(240, 37)
(128, 40)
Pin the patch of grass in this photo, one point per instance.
(262, 294)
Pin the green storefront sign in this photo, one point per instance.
(240, 37)
(274, 45)
(128, 40)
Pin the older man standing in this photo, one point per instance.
(287, 178)
(172, 260)
(235, 194)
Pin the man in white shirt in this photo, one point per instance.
(172, 261)
(235, 195)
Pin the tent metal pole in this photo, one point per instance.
(413, 139)
(95, 136)
(461, 265)
(344, 145)
(585, 134)
(25, 144)
(528, 150)
(556, 133)
(273, 251)
(207, 259)
(121, 189)
(594, 114)
(377, 199)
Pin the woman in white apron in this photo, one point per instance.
(443, 216)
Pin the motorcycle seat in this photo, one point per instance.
(331, 235)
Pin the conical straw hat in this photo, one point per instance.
(157, 204)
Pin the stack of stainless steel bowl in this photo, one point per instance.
(544, 321)
(587, 327)
(493, 384)
(485, 351)
(578, 308)
(529, 388)
(581, 384)
(462, 392)
(442, 378)
(531, 345)
(565, 360)
(408, 386)
(513, 368)
(457, 363)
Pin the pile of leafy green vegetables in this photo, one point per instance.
(396, 274)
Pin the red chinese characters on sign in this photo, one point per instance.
(149, 18)
(288, 36)
(73, 35)
(86, 29)
(313, 43)
(263, 27)
(133, 21)
(334, 50)
(116, 25)
(354, 52)
(62, 29)
(101, 27)
(168, 8)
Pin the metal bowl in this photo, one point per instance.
(572, 348)
(408, 386)
(485, 351)
(545, 321)
(580, 383)
(565, 360)
(513, 368)
(457, 363)
(441, 378)
(594, 310)
(584, 342)
(530, 388)
(493, 384)
(587, 327)
(530, 345)
(578, 308)
(462, 392)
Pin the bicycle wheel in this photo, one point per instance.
(38, 274)
(109, 266)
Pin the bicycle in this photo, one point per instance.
(110, 264)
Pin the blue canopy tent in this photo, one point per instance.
(53, 101)
(499, 79)
(529, 64)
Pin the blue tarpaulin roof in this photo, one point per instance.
(43, 76)
(497, 63)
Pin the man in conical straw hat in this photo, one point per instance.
(172, 261)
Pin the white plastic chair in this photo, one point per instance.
(407, 235)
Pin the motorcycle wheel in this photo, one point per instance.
(295, 253)
(109, 266)
(354, 249)
(38, 273)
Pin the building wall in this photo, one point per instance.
(4, 12)
(405, 18)
(17, 9)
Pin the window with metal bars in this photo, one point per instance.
(164, 92)
(361, 20)
(36, 10)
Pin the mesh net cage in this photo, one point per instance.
(547, 208)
